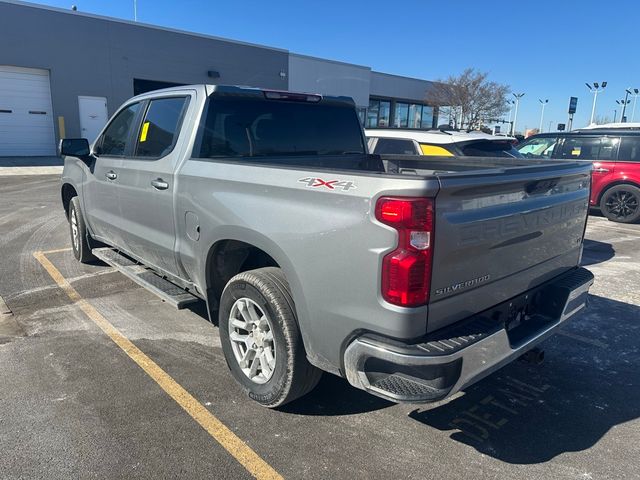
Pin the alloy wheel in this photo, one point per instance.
(622, 204)
(252, 341)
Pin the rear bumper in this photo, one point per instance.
(455, 357)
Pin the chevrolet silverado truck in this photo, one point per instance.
(410, 276)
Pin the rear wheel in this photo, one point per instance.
(261, 340)
(621, 203)
(78, 231)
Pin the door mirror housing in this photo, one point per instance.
(74, 147)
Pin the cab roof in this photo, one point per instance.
(247, 91)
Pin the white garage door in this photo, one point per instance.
(26, 115)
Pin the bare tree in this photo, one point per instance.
(602, 119)
(469, 99)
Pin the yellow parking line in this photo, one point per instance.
(57, 250)
(219, 431)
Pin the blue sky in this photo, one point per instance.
(547, 49)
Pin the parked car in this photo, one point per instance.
(442, 143)
(313, 256)
(615, 155)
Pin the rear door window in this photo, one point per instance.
(590, 148)
(395, 146)
(629, 149)
(115, 139)
(160, 127)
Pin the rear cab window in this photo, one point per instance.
(260, 130)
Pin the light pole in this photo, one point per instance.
(624, 107)
(634, 94)
(550, 122)
(623, 103)
(544, 104)
(135, 10)
(515, 116)
(595, 89)
(511, 103)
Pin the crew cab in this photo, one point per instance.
(313, 255)
(615, 155)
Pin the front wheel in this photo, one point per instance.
(261, 340)
(78, 231)
(621, 203)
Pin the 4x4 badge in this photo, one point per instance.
(313, 182)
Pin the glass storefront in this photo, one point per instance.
(405, 115)
(378, 113)
(401, 119)
(426, 117)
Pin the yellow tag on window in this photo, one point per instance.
(576, 151)
(143, 133)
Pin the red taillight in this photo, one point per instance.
(406, 272)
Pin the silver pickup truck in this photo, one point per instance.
(412, 277)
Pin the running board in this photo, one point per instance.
(145, 277)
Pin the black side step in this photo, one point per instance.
(163, 288)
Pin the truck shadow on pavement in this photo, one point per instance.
(334, 396)
(596, 252)
(525, 414)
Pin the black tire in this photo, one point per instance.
(621, 203)
(80, 239)
(292, 376)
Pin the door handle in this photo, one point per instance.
(159, 184)
(111, 175)
(601, 170)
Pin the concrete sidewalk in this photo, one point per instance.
(30, 166)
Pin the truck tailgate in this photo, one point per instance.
(501, 232)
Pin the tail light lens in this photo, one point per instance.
(406, 272)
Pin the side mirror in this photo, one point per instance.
(74, 147)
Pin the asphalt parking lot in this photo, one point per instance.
(73, 403)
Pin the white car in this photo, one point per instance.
(439, 143)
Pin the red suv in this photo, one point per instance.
(615, 155)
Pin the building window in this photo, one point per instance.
(372, 114)
(143, 86)
(415, 114)
(426, 120)
(378, 113)
(406, 115)
(362, 114)
(401, 119)
(385, 112)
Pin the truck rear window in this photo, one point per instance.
(487, 148)
(248, 127)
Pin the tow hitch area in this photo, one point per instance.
(458, 356)
(534, 356)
